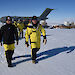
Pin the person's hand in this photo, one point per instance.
(26, 43)
(45, 41)
(16, 42)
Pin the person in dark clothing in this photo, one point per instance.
(8, 34)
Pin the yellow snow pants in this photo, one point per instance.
(9, 47)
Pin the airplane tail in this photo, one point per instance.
(44, 15)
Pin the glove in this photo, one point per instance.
(45, 41)
(26, 43)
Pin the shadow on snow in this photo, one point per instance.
(45, 55)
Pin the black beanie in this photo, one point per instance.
(34, 18)
(8, 18)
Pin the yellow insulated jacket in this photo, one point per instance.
(34, 34)
(15, 23)
(20, 26)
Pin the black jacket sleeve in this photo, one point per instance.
(16, 33)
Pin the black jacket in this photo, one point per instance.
(8, 34)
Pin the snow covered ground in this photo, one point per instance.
(57, 57)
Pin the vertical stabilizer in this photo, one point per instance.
(45, 14)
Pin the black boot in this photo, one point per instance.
(9, 63)
(34, 55)
(34, 61)
(12, 52)
(9, 57)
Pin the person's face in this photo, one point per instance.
(8, 21)
(34, 21)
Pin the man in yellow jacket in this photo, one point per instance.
(20, 26)
(34, 32)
